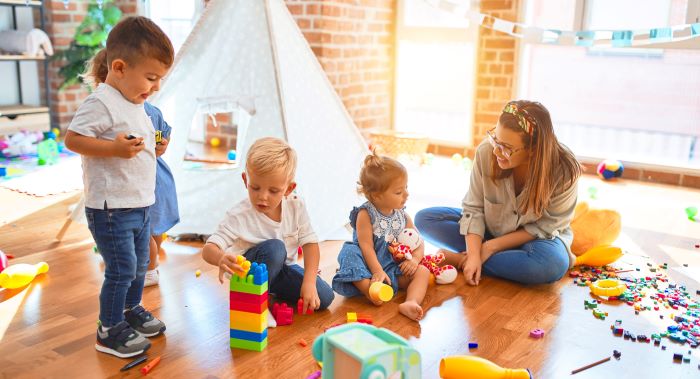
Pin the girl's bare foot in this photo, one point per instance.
(375, 302)
(411, 309)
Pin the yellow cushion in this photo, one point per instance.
(593, 227)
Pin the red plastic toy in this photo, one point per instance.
(282, 314)
(300, 308)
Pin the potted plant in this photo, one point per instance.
(90, 37)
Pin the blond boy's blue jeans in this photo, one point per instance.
(535, 262)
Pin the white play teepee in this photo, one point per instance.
(243, 49)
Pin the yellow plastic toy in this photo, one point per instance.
(468, 366)
(21, 274)
(599, 256)
(593, 227)
(379, 291)
(241, 261)
(607, 287)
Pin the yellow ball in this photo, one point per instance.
(56, 132)
(215, 142)
(457, 158)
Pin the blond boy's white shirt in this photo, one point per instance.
(244, 227)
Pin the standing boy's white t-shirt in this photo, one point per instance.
(245, 227)
(116, 182)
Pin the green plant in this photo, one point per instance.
(90, 37)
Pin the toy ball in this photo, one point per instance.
(3, 261)
(215, 142)
(457, 158)
(609, 169)
(56, 132)
(232, 155)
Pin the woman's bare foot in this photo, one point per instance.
(411, 309)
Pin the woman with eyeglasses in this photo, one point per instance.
(514, 221)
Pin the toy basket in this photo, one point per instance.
(395, 143)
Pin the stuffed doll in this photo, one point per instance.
(409, 240)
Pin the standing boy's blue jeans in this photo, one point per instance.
(285, 280)
(122, 237)
(535, 262)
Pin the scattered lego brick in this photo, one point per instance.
(303, 342)
(198, 273)
(473, 345)
(300, 308)
(282, 313)
(537, 333)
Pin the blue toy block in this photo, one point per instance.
(259, 272)
(248, 336)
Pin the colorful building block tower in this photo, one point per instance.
(248, 299)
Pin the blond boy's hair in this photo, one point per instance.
(271, 154)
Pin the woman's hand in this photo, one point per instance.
(472, 269)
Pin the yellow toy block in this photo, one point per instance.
(249, 322)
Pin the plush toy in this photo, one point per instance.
(443, 274)
(593, 227)
(409, 240)
(399, 252)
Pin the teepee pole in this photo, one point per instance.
(275, 64)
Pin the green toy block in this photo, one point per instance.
(248, 345)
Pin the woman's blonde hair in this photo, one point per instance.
(377, 174)
(551, 163)
(271, 154)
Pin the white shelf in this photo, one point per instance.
(10, 57)
(32, 3)
(18, 110)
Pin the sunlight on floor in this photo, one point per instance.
(9, 307)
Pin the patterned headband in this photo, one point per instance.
(526, 122)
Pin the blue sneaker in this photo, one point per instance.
(121, 341)
(144, 322)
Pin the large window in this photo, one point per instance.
(640, 105)
(176, 18)
(435, 70)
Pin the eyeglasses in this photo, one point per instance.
(506, 151)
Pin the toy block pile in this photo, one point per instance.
(248, 306)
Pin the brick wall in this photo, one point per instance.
(61, 22)
(495, 78)
(354, 41)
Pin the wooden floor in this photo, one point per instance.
(47, 330)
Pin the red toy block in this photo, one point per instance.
(249, 307)
(242, 297)
(300, 308)
(364, 318)
(303, 342)
(282, 314)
